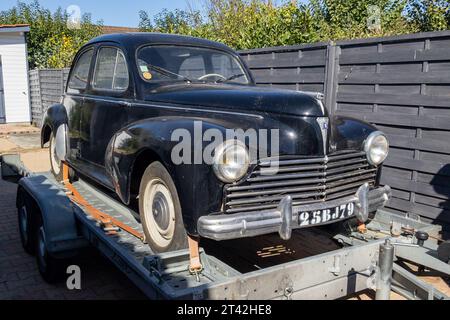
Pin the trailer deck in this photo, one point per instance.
(314, 264)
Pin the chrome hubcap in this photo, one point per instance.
(161, 211)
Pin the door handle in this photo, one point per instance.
(125, 103)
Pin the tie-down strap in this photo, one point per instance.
(108, 223)
(195, 265)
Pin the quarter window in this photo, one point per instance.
(79, 78)
(111, 72)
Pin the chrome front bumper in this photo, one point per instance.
(285, 218)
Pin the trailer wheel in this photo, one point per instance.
(50, 268)
(160, 210)
(26, 212)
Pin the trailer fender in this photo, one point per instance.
(57, 211)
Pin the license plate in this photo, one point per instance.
(311, 218)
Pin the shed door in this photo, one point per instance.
(2, 95)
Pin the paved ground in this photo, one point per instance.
(15, 138)
(6, 129)
(19, 277)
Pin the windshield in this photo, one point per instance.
(192, 64)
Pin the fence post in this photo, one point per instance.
(331, 74)
(41, 104)
(61, 72)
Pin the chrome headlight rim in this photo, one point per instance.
(217, 165)
(368, 143)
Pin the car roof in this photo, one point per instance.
(137, 39)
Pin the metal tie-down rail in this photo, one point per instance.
(365, 262)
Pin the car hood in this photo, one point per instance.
(239, 98)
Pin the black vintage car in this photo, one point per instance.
(128, 94)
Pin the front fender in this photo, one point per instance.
(349, 133)
(199, 190)
(54, 116)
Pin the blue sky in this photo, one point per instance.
(115, 13)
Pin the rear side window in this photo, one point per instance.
(111, 72)
(79, 78)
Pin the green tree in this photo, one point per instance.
(145, 22)
(244, 24)
(51, 43)
(347, 19)
(430, 15)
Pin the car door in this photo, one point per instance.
(73, 99)
(105, 107)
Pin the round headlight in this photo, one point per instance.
(376, 148)
(231, 161)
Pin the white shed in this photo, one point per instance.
(14, 88)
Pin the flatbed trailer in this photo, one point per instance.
(370, 260)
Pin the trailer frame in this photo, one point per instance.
(366, 260)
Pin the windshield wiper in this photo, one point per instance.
(168, 73)
(234, 76)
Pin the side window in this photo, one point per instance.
(80, 73)
(193, 67)
(111, 72)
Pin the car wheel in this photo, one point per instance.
(51, 269)
(26, 210)
(160, 210)
(55, 162)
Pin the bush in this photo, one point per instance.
(245, 24)
(51, 44)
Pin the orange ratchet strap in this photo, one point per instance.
(108, 223)
(195, 265)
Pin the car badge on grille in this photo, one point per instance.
(323, 124)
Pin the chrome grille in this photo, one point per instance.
(307, 180)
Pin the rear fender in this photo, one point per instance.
(55, 116)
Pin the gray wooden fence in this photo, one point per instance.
(401, 84)
(46, 88)
(302, 67)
